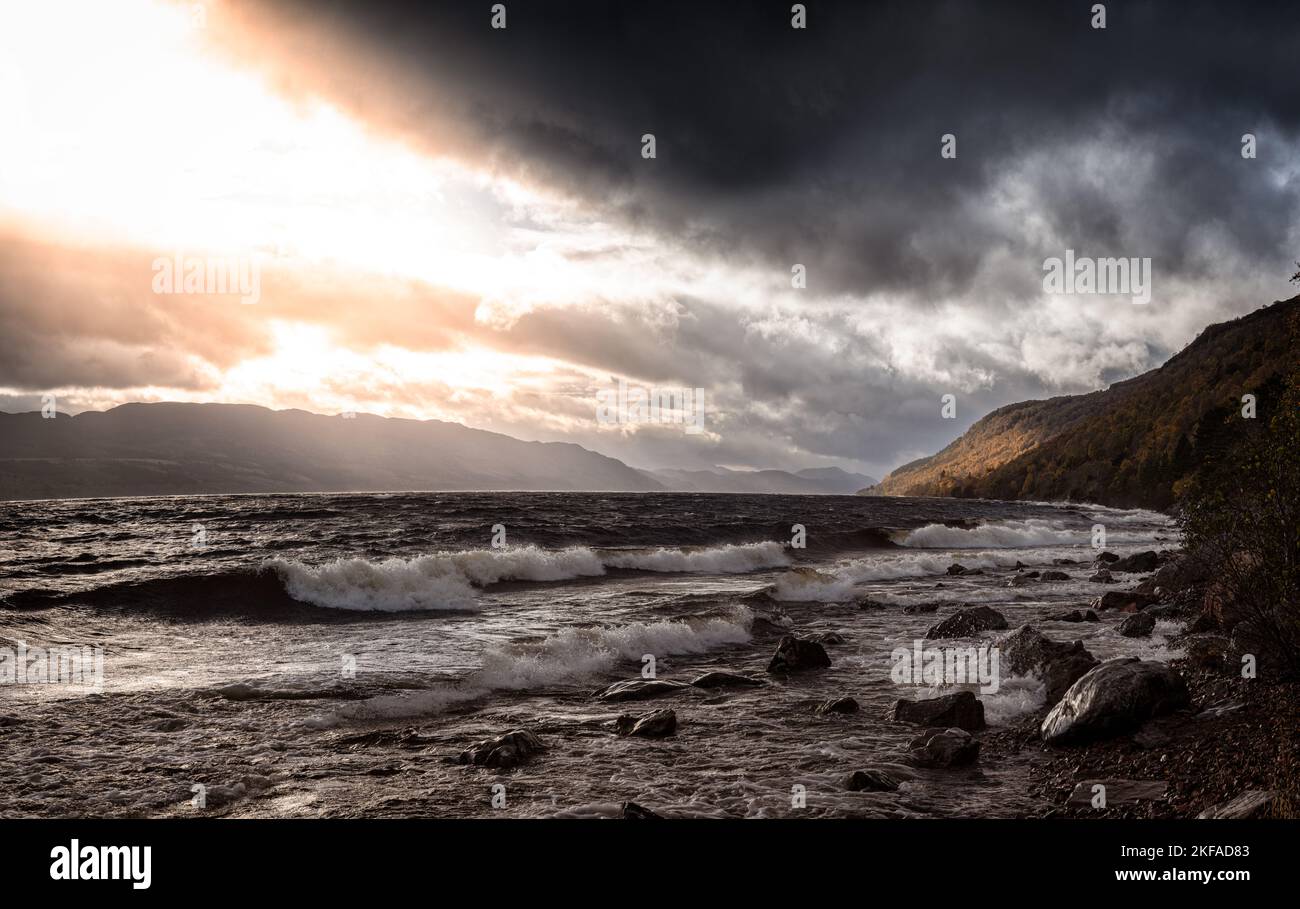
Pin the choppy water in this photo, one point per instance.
(324, 654)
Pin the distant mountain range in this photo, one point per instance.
(178, 449)
(1135, 444)
(811, 481)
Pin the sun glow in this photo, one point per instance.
(128, 127)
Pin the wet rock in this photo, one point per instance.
(1123, 600)
(1022, 580)
(943, 749)
(827, 638)
(1116, 697)
(1055, 576)
(798, 655)
(1137, 563)
(966, 622)
(868, 603)
(955, 569)
(1064, 562)
(1117, 792)
(504, 751)
(960, 709)
(1103, 577)
(656, 725)
(920, 608)
(634, 812)
(1138, 625)
(1167, 611)
(838, 705)
(1209, 651)
(1105, 558)
(1076, 615)
(1251, 803)
(726, 680)
(870, 780)
(1026, 650)
(640, 689)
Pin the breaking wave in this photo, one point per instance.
(450, 580)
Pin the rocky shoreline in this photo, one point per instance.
(1120, 738)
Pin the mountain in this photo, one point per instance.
(810, 481)
(176, 449)
(1135, 444)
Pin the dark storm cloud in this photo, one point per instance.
(822, 146)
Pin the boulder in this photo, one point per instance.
(634, 812)
(504, 751)
(827, 638)
(1105, 558)
(798, 655)
(961, 710)
(640, 689)
(1138, 625)
(966, 622)
(956, 569)
(838, 705)
(1055, 576)
(1138, 562)
(1209, 651)
(1251, 803)
(943, 749)
(1026, 650)
(870, 780)
(1117, 792)
(726, 680)
(655, 725)
(1122, 600)
(1076, 615)
(920, 608)
(1116, 697)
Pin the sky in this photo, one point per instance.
(439, 219)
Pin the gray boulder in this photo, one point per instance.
(870, 780)
(640, 689)
(967, 622)
(726, 680)
(838, 705)
(504, 751)
(961, 710)
(1138, 562)
(656, 725)
(1251, 803)
(1116, 697)
(1138, 625)
(943, 749)
(798, 655)
(1026, 650)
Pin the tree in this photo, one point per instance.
(1241, 520)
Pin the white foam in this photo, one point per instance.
(999, 534)
(448, 580)
(570, 656)
(729, 559)
(580, 653)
